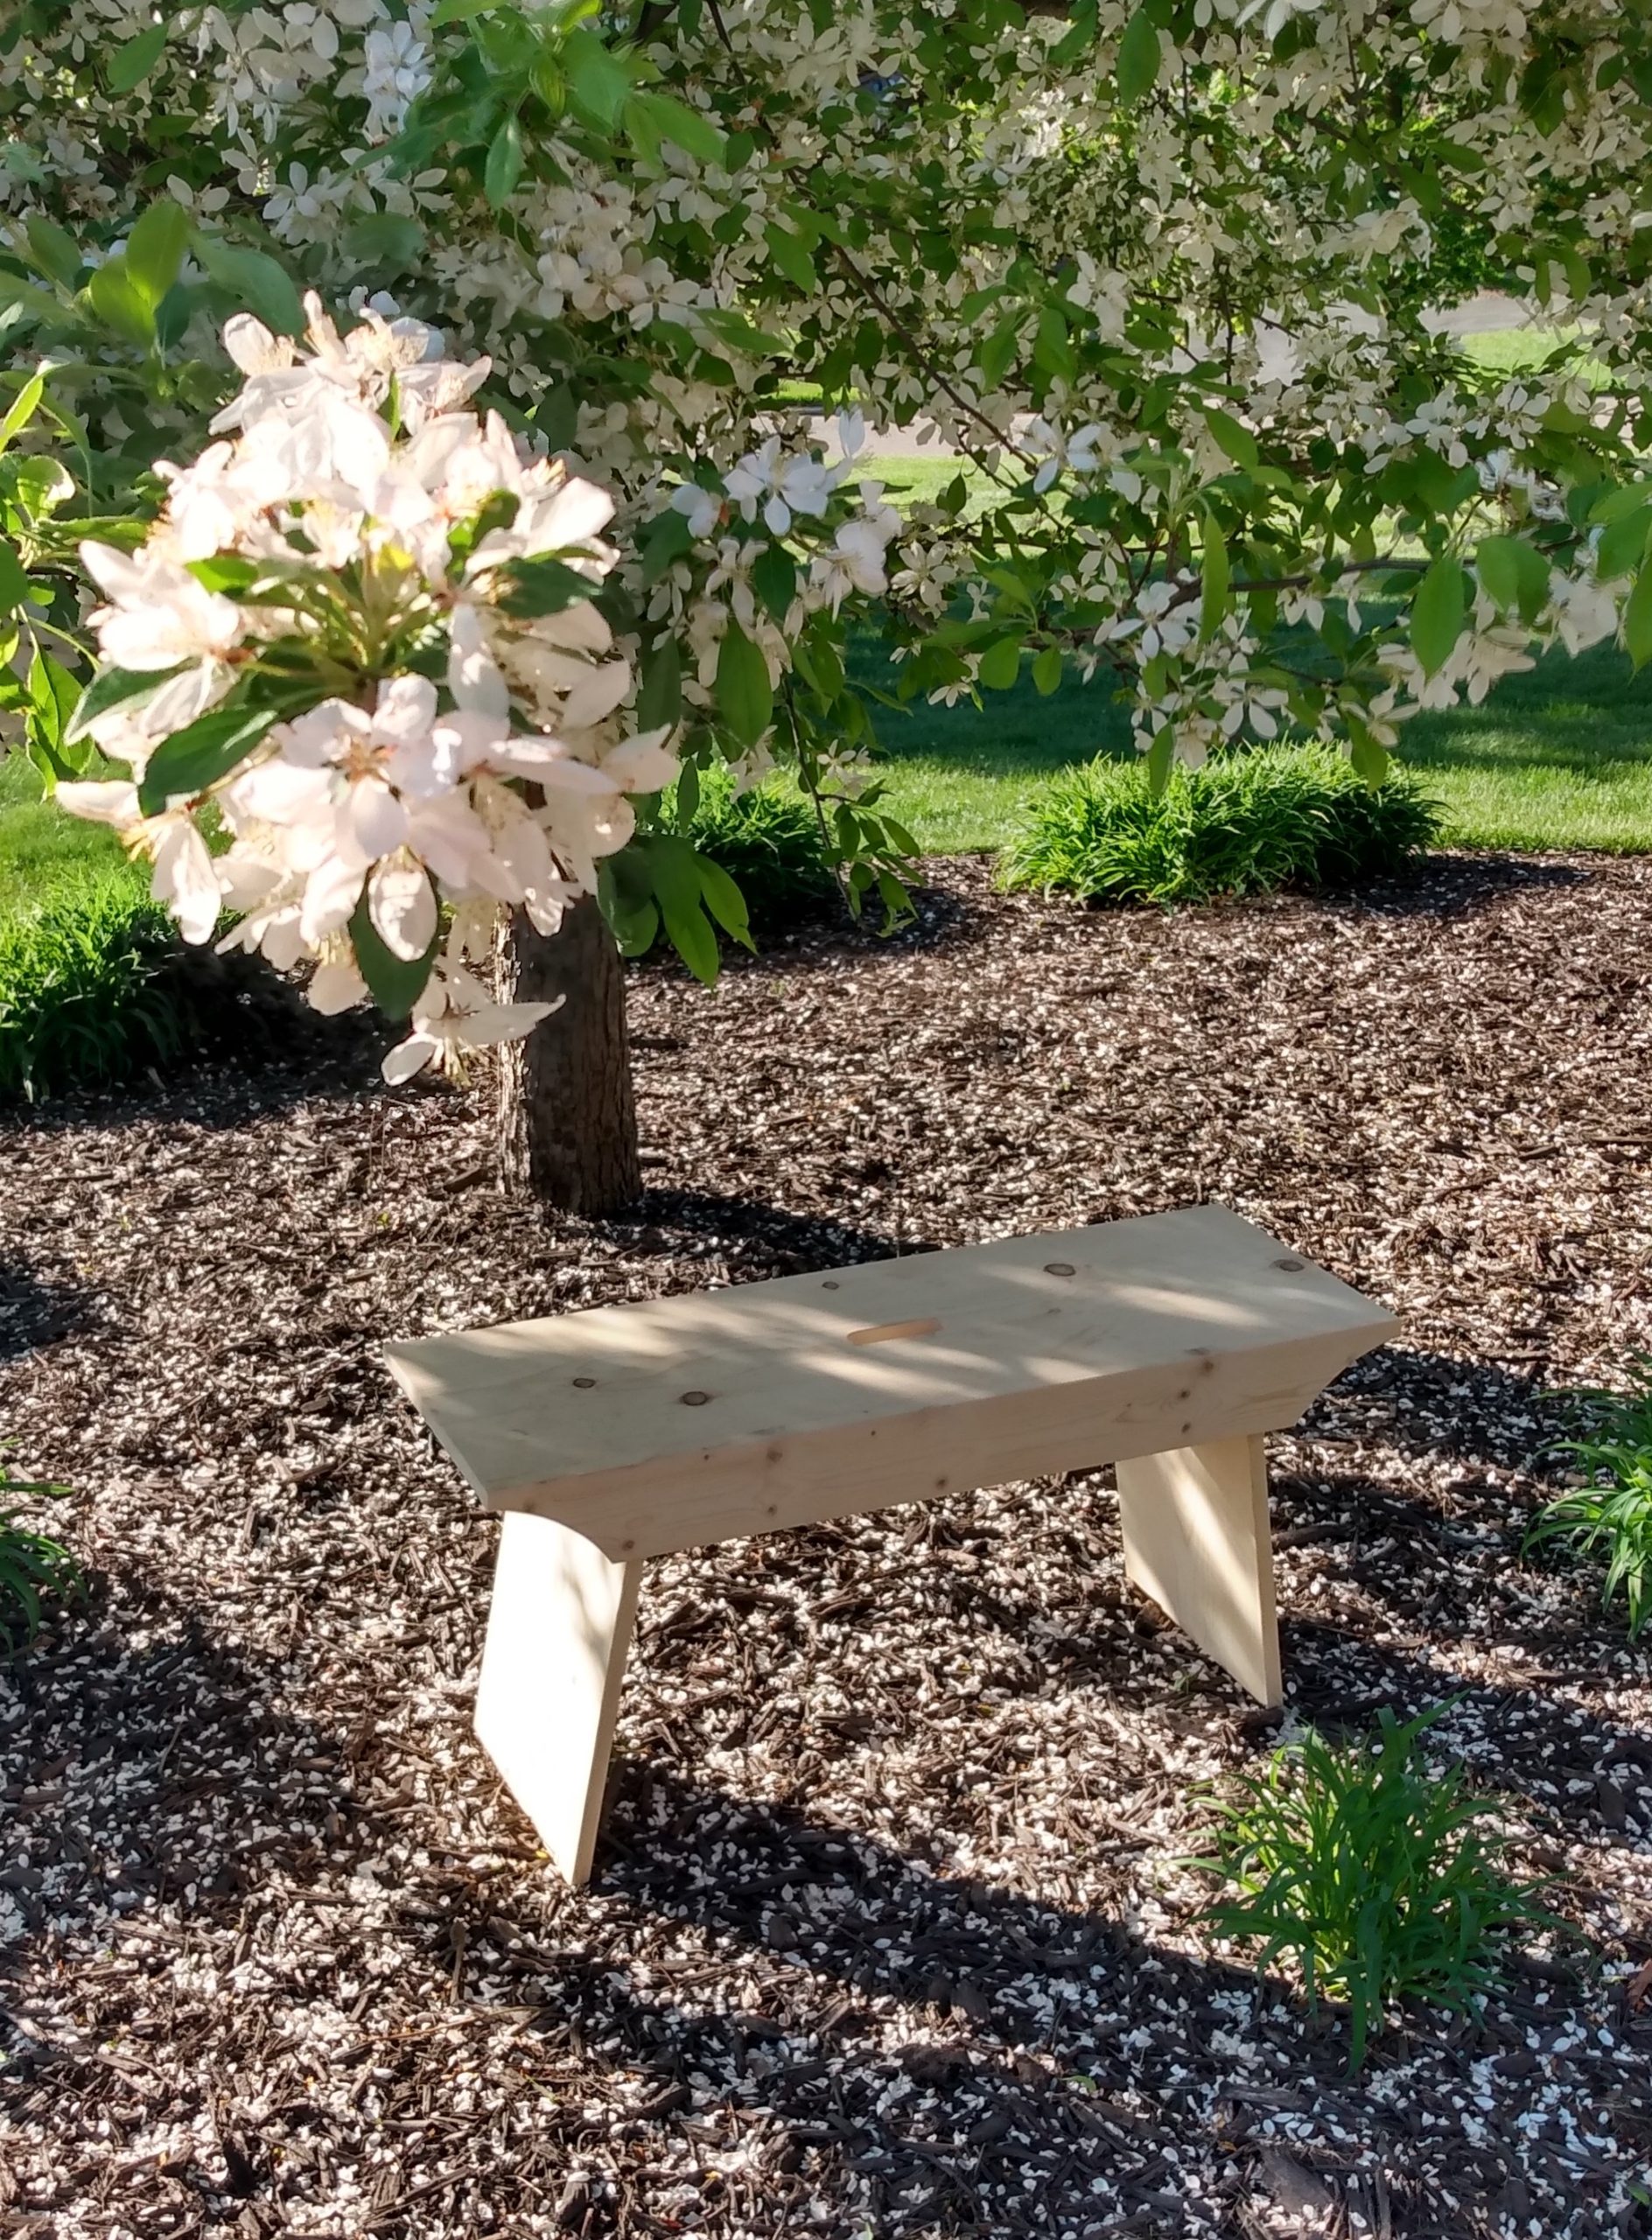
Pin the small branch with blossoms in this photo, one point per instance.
(366, 633)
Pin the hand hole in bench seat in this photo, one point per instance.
(882, 1334)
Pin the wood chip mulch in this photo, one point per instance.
(893, 1931)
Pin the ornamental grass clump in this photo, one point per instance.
(90, 995)
(1611, 1515)
(1244, 823)
(32, 1565)
(1383, 1878)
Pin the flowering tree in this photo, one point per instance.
(425, 630)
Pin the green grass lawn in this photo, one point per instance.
(1510, 350)
(39, 846)
(1559, 758)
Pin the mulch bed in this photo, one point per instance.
(893, 1931)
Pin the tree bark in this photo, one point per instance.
(567, 1117)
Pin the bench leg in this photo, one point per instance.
(1195, 1525)
(558, 1630)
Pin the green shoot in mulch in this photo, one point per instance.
(1612, 1515)
(1379, 1875)
(1246, 823)
(89, 993)
(31, 1565)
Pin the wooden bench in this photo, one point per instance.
(1167, 1345)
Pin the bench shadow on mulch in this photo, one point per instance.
(1519, 1739)
(993, 1984)
(952, 1950)
(36, 1310)
(932, 2122)
(1485, 1411)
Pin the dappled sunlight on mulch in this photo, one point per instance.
(891, 1932)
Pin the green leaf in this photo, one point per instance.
(14, 581)
(1234, 438)
(1161, 757)
(114, 687)
(57, 253)
(1630, 498)
(689, 129)
(1050, 350)
(119, 305)
(23, 409)
(1080, 37)
(597, 82)
(1000, 665)
(792, 256)
(1369, 756)
(542, 586)
(1514, 573)
(736, 333)
(1218, 575)
(1437, 613)
(676, 874)
(132, 62)
(660, 695)
(690, 933)
(155, 249)
(1046, 671)
(635, 926)
(396, 983)
(1622, 545)
(46, 711)
(775, 580)
(744, 697)
(1497, 563)
(998, 348)
(459, 11)
(1637, 620)
(201, 753)
(256, 281)
(506, 157)
(387, 240)
(1139, 57)
(64, 687)
(227, 571)
(668, 538)
(725, 902)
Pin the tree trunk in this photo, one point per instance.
(567, 1119)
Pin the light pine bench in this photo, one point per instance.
(1167, 1346)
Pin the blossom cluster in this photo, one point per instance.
(365, 632)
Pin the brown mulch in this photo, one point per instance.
(894, 1930)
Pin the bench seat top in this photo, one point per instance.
(702, 1416)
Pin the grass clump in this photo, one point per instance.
(1381, 1877)
(90, 992)
(768, 841)
(1246, 823)
(1612, 1515)
(32, 1565)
